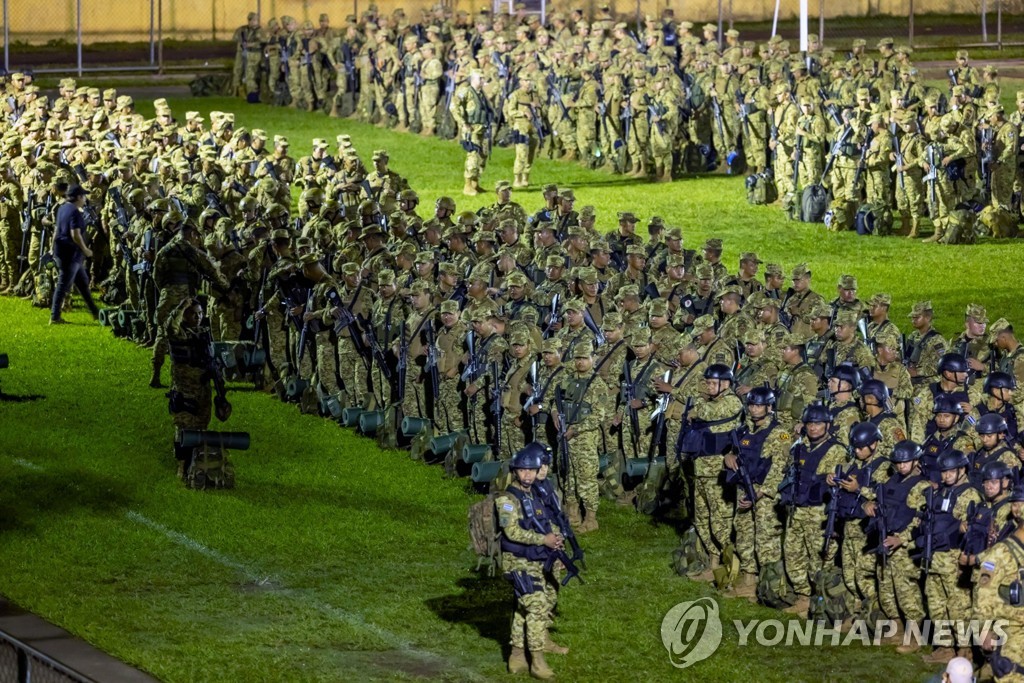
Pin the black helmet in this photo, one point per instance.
(991, 423)
(1000, 380)
(951, 460)
(529, 458)
(847, 372)
(876, 388)
(863, 434)
(953, 362)
(718, 371)
(816, 412)
(905, 451)
(997, 469)
(761, 396)
(1017, 495)
(946, 403)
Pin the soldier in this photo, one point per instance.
(994, 598)
(249, 41)
(473, 115)
(522, 111)
(528, 535)
(925, 346)
(1009, 350)
(973, 342)
(801, 300)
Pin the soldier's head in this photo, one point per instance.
(526, 463)
(952, 465)
(191, 313)
(864, 440)
(995, 478)
(801, 278)
(991, 429)
(253, 20)
(946, 411)
(845, 325)
(817, 419)
(1000, 385)
(717, 379)
(904, 457)
(953, 368)
(583, 356)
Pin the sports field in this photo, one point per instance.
(333, 560)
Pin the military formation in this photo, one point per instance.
(820, 458)
(851, 138)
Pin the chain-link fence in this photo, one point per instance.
(87, 35)
(20, 663)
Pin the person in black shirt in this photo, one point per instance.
(70, 252)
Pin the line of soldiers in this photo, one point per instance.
(659, 377)
(860, 128)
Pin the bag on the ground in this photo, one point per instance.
(832, 601)
(689, 558)
(210, 469)
(761, 189)
(485, 535)
(813, 204)
(997, 222)
(773, 589)
(961, 226)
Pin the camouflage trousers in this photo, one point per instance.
(428, 107)
(586, 134)
(525, 152)
(448, 412)
(476, 161)
(712, 514)
(414, 403)
(801, 547)
(10, 250)
(533, 612)
(228, 320)
(1002, 185)
(581, 479)
(898, 587)
(859, 564)
(909, 195)
(512, 439)
(327, 364)
(353, 372)
(170, 297)
(946, 598)
(278, 335)
(758, 536)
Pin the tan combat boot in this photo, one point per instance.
(539, 669)
(709, 574)
(941, 655)
(517, 661)
(803, 603)
(334, 111)
(940, 229)
(589, 523)
(553, 648)
(746, 586)
(572, 513)
(914, 222)
(469, 188)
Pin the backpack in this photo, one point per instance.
(832, 601)
(761, 189)
(648, 494)
(728, 570)
(864, 221)
(773, 589)
(689, 558)
(210, 469)
(997, 222)
(813, 204)
(485, 536)
(960, 226)
(837, 218)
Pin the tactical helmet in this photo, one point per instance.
(876, 388)
(408, 196)
(997, 469)
(991, 423)
(1000, 380)
(946, 403)
(951, 460)
(312, 196)
(445, 203)
(529, 458)
(953, 362)
(248, 204)
(816, 412)
(1017, 495)
(275, 211)
(161, 204)
(467, 219)
(905, 451)
(761, 396)
(328, 206)
(172, 219)
(208, 214)
(863, 434)
(368, 207)
(847, 372)
(718, 371)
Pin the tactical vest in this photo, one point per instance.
(899, 515)
(917, 349)
(849, 501)
(576, 408)
(1009, 414)
(981, 458)
(946, 533)
(960, 396)
(750, 446)
(934, 445)
(700, 441)
(786, 396)
(809, 487)
(980, 526)
(477, 117)
(177, 268)
(642, 380)
(534, 518)
(192, 351)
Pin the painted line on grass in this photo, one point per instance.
(353, 619)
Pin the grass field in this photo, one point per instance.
(334, 560)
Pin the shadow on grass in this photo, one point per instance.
(20, 398)
(34, 494)
(485, 603)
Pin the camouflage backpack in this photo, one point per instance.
(728, 570)
(210, 469)
(997, 222)
(648, 494)
(689, 557)
(485, 536)
(773, 589)
(960, 226)
(832, 601)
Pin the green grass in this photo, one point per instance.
(327, 540)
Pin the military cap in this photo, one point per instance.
(628, 290)
(600, 245)
(637, 334)
(920, 308)
(931, 100)
(753, 336)
(380, 154)
(554, 261)
(476, 315)
(516, 279)
(658, 307)
(611, 321)
(450, 306)
(567, 195)
(732, 33)
(278, 234)
(447, 268)
(884, 42)
(627, 217)
(480, 273)
(702, 323)
(636, 250)
(991, 70)
(846, 318)
(880, 299)
(977, 312)
(890, 340)
(320, 143)
(859, 42)
(705, 272)
(998, 326)
(350, 269)
(386, 277)
(821, 310)
(587, 276)
(993, 110)
(550, 187)
(794, 339)
(552, 345)
(419, 287)
(502, 185)
(709, 27)
(847, 282)
(582, 350)
(750, 256)
(124, 101)
(519, 338)
(731, 289)
(587, 212)
(772, 269)
(713, 244)
(686, 25)
(546, 225)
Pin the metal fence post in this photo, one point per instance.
(719, 24)
(999, 24)
(78, 23)
(152, 28)
(910, 24)
(160, 36)
(821, 22)
(7, 41)
(984, 21)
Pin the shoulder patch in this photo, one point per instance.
(899, 434)
(917, 400)
(988, 566)
(785, 436)
(507, 507)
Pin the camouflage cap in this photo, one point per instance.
(450, 306)
(769, 302)
(628, 290)
(637, 335)
(890, 339)
(582, 350)
(480, 273)
(611, 321)
(821, 310)
(705, 272)
(702, 323)
(794, 339)
(846, 318)
(880, 299)
(477, 314)
(420, 287)
(731, 289)
(920, 308)
(675, 261)
(552, 345)
(587, 276)
(577, 305)
(847, 282)
(517, 279)
(977, 312)
(753, 336)
(519, 338)
(713, 244)
(447, 268)
(554, 261)
(636, 250)
(1001, 325)
(386, 277)
(801, 270)
(587, 212)
(424, 257)
(599, 246)
(773, 269)
(750, 256)
(567, 195)
(657, 307)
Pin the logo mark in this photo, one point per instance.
(691, 632)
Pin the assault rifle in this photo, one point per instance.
(833, 510)
(881, 525)
(403, 361)
(987, 136)
(928, 526)
(837, 148)
(831, 109)
(431, 364)
(863, 161)
(563, 440)
(304, 339)
(496, 407)
(628, 394)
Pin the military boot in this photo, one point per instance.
(517, 661)
(553, 648)
(941, 655)
(469, 189)
(570, 154)
(914, 222)
(334, 113)
(709, 574)
(745, 587)
(803, 603)
(154, 379)
(590, 523)
(940, 229)
(539, 669)
(572, 513)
